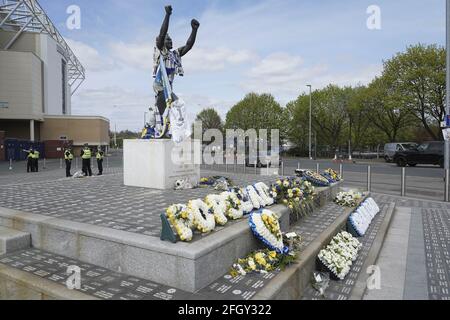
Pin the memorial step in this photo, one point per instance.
(12, 240)
(34, 274)
(181, 265)
(44, 274)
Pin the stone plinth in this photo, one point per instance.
(158, 164)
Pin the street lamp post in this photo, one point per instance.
(447, 143)
(310, 121)
(115, 135)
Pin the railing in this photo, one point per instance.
(396, 181)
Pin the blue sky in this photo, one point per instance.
(275, 46)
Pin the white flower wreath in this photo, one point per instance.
(246, 203)
(203, 220)
(264, 193)
(256, 200)
(340, 254)
(233, 205)
(218, 207)
(181, 220)
(272, 238)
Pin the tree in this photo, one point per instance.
(257, 112)
(383, 108)
(298, 123)
(210, 119)
(417, 77)
(330, 114)
(330, 118)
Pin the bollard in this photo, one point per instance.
(403, 182)
(256, 167)
(267, 167)
(447, 181)
(10, 164)
(298, 166)
(318, 168)
(60, 163)
(369, 179)
(76, 163)
(44, 163)
(107, 162)
(341, 170)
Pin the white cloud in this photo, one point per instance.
(124, 107)
(140, 56)
(215, 59)
(90, 58)
(287, 75)
(135, 55)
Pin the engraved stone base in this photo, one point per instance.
(158, 164)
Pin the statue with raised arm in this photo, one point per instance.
(168, 113)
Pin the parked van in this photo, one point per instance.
(391, 149)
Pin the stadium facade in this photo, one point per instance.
(39, 73)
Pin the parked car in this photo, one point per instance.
(426, 153)
(391, 148)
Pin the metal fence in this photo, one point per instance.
(405, 182)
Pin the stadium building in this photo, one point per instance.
(39, 73)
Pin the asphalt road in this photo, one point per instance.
(425, 182)
(377, 167)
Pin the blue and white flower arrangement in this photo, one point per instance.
(363, 216)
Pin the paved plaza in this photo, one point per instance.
(414, 259)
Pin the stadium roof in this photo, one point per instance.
(28, 16)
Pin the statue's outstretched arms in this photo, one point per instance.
(191, 41)
(164, 28)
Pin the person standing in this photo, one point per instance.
(30, 156)
(86, 155)
(100, 155)
(68, 157)
(36, 156)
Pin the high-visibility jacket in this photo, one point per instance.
(87, 154)
(36, 155)
(30, 155)
(100, 155)
(68, 155)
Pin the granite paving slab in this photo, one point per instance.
(105, 201)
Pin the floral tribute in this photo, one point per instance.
(234, 209)
(363, 216)
(331, 175)
(217, 209)
(181, 220)
(216, 182)
(315, 178)
(295, 193)
(203, 218)
(266, 260)
(262, 261)
(266, 227)
(348, 199)
(340, 254)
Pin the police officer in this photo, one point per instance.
(100, 155)
(36, 156)
(30, 166)
(86, 155)
(68, 157)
